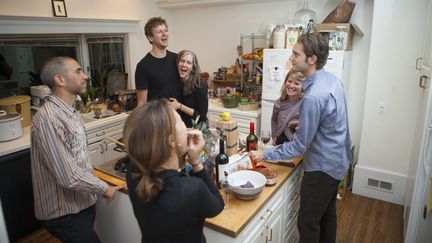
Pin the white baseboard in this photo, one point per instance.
(360, 184)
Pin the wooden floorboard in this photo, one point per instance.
(360, 220)
(364, 220)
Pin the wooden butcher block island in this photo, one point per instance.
(272, 216)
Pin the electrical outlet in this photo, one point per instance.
(381, 107)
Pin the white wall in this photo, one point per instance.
(382, 67)
(214, 32)
(386, 139)
(96, 9)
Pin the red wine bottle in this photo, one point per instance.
(221, 161)
(252, 139)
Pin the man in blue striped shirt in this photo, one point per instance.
(322, 138)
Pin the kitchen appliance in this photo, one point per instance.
(275, 68)
(10, 126)
(18, 104)
(39, 94)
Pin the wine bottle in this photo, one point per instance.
(221, 161)
(252, 139)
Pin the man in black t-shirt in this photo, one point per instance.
(156, 75)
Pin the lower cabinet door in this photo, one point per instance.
(274, 229)
(257, 235)
(96, 153)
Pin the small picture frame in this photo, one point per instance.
(59, 8)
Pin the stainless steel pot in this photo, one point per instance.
(10, 126)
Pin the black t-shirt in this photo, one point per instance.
(177, 214)
(159, 76)
(198, 101)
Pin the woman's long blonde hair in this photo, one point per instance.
(297, 76)
(146, 135)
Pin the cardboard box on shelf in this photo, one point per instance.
(328, 28)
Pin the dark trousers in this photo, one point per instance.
(317, 217)
(74, 228)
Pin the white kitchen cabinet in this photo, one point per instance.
(116, 222)
(275, 222)
(243, 118)
(267, 225)
(100, 148)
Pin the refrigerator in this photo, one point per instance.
(275, 68)
(418, 196)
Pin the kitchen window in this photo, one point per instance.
(21, 58)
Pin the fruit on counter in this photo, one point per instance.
(256, 54)
(225, 116)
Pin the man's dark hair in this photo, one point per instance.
(315, 44)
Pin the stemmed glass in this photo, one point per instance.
(265, 137)
(226, 188)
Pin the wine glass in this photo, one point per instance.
(265, 137)
(226, 188)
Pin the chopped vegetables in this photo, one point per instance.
(248, 184)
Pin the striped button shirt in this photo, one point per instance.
(63, 180)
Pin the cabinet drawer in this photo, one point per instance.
(290, 218)
(294, 179)
(264, 214)
(115, 131)
(292, 198)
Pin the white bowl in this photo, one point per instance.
(238, 178)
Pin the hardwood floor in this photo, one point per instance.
(360, 219)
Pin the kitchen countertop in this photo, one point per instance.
(16, 145)
(215, 105)
(23, 142)
(232, 220)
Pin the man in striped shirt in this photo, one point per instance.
(64, 187)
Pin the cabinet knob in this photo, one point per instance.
(100, 133)
(267, 215)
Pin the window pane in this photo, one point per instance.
(107, 59)
(21, 58)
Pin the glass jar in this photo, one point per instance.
(302, 17)
(291, 36)
(341, 40)
(279, 34)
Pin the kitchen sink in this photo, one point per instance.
(90, 117)
(87, 119)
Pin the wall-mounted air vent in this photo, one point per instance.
(373, 182)
(379, 184)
